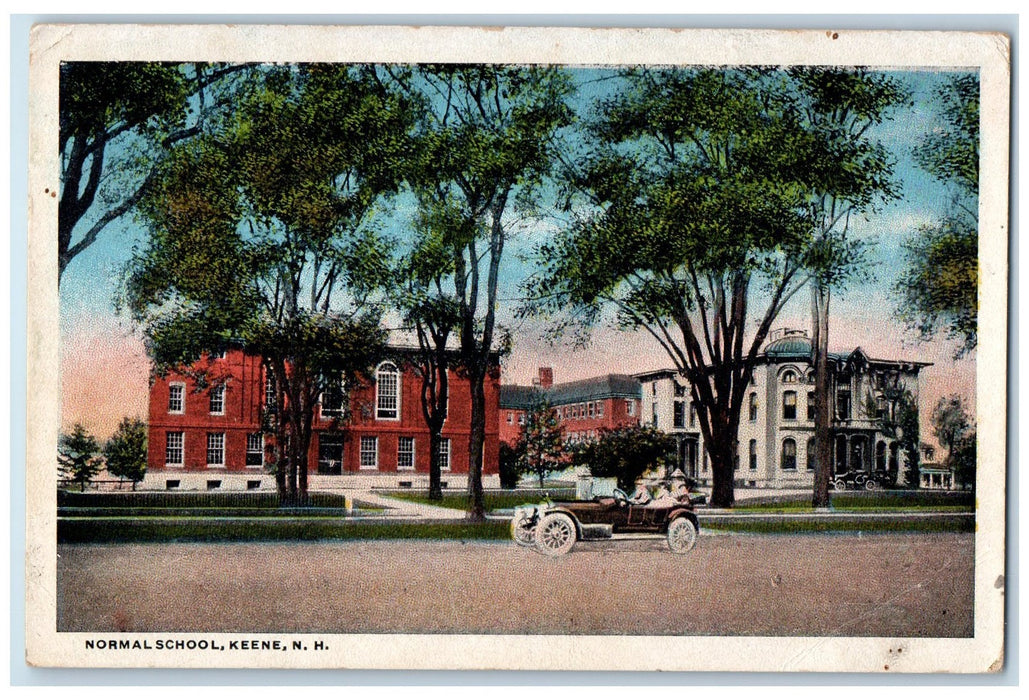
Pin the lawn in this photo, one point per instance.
(864, 501)
(492, 500)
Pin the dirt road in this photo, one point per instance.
(880, 585)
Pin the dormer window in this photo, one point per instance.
(789, 377)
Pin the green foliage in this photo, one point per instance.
(126, 451)
(116, 120)
(954, 426)
(897, 418)
(510, 466)
(626, 453)
(939, 287)
(78, 455)
(696, 183)
(486, 141)
(258, 238)
(540, 448)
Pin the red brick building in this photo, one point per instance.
(375, 429)
(583, 407)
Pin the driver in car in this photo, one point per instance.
(641, 496)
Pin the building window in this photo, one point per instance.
(752, 411)
(630, 407)
(369, 452)
(653, 414)
(693, 415)
(811, 405)
(176, 398)
(173, 449)
(269, 391)
(255, 450)
(653, 388)
(789, 405)
(600, 409)
(216, 449)
(330, 453)
(510, 418)
(217, 400)
(582, 410)
(843, 405)
(592, 410)
(789, 377)
(811, 460)
(680, 390)
(752, 455)
(521, 418)
(789, 454)
(334, 396)
(679, 414)
(387, 392)
(217, 355)
(405, 453)
(444, 454)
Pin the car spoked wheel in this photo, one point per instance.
(840, 485)
(523, 532)
(555, 534)
(682, 535)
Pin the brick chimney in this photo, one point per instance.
(546, 378)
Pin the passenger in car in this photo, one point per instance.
(641, 496)
(663, 498)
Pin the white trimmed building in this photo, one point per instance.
(776, 433)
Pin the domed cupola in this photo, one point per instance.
(787, 342)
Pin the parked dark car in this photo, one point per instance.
(554, 527)
(870, 481)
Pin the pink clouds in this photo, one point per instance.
(104, 377)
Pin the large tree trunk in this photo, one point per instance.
(823, 420)
(476, 439)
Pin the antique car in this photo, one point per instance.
(554, 527)
(860, 480)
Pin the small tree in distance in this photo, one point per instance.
(126, 451)
(78, 456)
(626, 453)
(541, 448)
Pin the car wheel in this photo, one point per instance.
(841, 485)
(682, 535)
(555, 534)
(522, 532)
(871, 485)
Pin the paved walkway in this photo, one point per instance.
(399, 507)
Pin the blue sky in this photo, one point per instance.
(860, 316)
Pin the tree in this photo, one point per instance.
(688, 207)
(940, 282)
(115, 117)
(486, 142)
(964, 459)
(896, 414)
(78, 456)
(126, 451)
(626, 453)
(433, 314)
(541, 447)
(954, 427)
(849, 174)
(259, 238)
(510, 466)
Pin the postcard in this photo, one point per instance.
(517, 348)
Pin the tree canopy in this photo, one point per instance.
(939, 288)
(116, 120)
(258, 238)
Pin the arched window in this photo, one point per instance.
(753, 406)
(387, 392)
(789, 377)
(789, 405)
(789, 455)
(753, 455)
(811, 454)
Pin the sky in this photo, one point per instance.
(105, 370)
